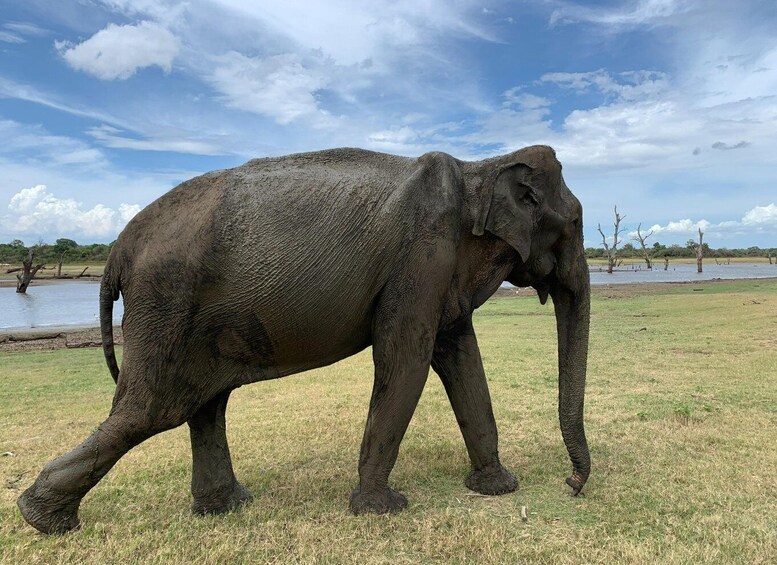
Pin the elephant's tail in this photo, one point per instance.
(109, 293)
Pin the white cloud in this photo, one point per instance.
(25, 28)
(117, 52)
(685, 226)
(634, 127)
(524, 100)
(401, 135)
(8, 37)
(37, 147)
(19, 91)
(351, 32)
(84, 177)
(34, 210)
(280, 87)
(24, 201)
(644, 120)
(15, 32)
(401, 140)
(761, 215)
(168, 12)
(640, 13)
(630, 85)
(127, 212)
(723, 71)
(758, 220)
(111, 137)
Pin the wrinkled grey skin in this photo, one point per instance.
(287, 264)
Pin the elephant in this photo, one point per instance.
(285, 264)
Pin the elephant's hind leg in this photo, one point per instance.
(214, 486)
(51, 503)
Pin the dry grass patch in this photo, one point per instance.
(681, 413)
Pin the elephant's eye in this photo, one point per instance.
(529, 197)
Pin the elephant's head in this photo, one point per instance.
(523, 200)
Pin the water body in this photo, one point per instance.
(69, 303)
(75, 303)
(682, 272)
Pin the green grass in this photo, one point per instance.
(681, 416)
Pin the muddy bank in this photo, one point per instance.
(54, 338)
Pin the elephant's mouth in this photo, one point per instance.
(533, 272)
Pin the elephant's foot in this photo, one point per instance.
(49, 512)
(382, 501)
(492, 480)
(221, 500)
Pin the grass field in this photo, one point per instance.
(681, 417)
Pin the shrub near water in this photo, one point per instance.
(681, 412)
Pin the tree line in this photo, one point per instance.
(615, 255)
(69, 251)
(659, 251)
(35, 257)
(62, 251)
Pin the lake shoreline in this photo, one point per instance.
(54, 338)
(631, 288)
(88, 335)
(11, 283)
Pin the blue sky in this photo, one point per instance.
(667, 108)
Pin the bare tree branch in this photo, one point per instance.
(700, 252)
(28, 273)
(612, 251)
(642, 239)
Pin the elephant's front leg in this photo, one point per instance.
(402, 353)
(214, 486)
(457, 361)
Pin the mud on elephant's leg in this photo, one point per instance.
(457, 361)
(214, 486)
(51, 503)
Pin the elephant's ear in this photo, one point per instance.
(507, 203)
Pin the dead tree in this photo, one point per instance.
(59, 263)
(645, 253)
(699, 252)
(611, 251)
(666, 262)
(28, 272)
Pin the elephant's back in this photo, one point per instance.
(173, 235)
(317, 236)
(277, 263)
(302, 183)
(314, 209)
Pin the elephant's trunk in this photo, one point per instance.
(571, 299)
